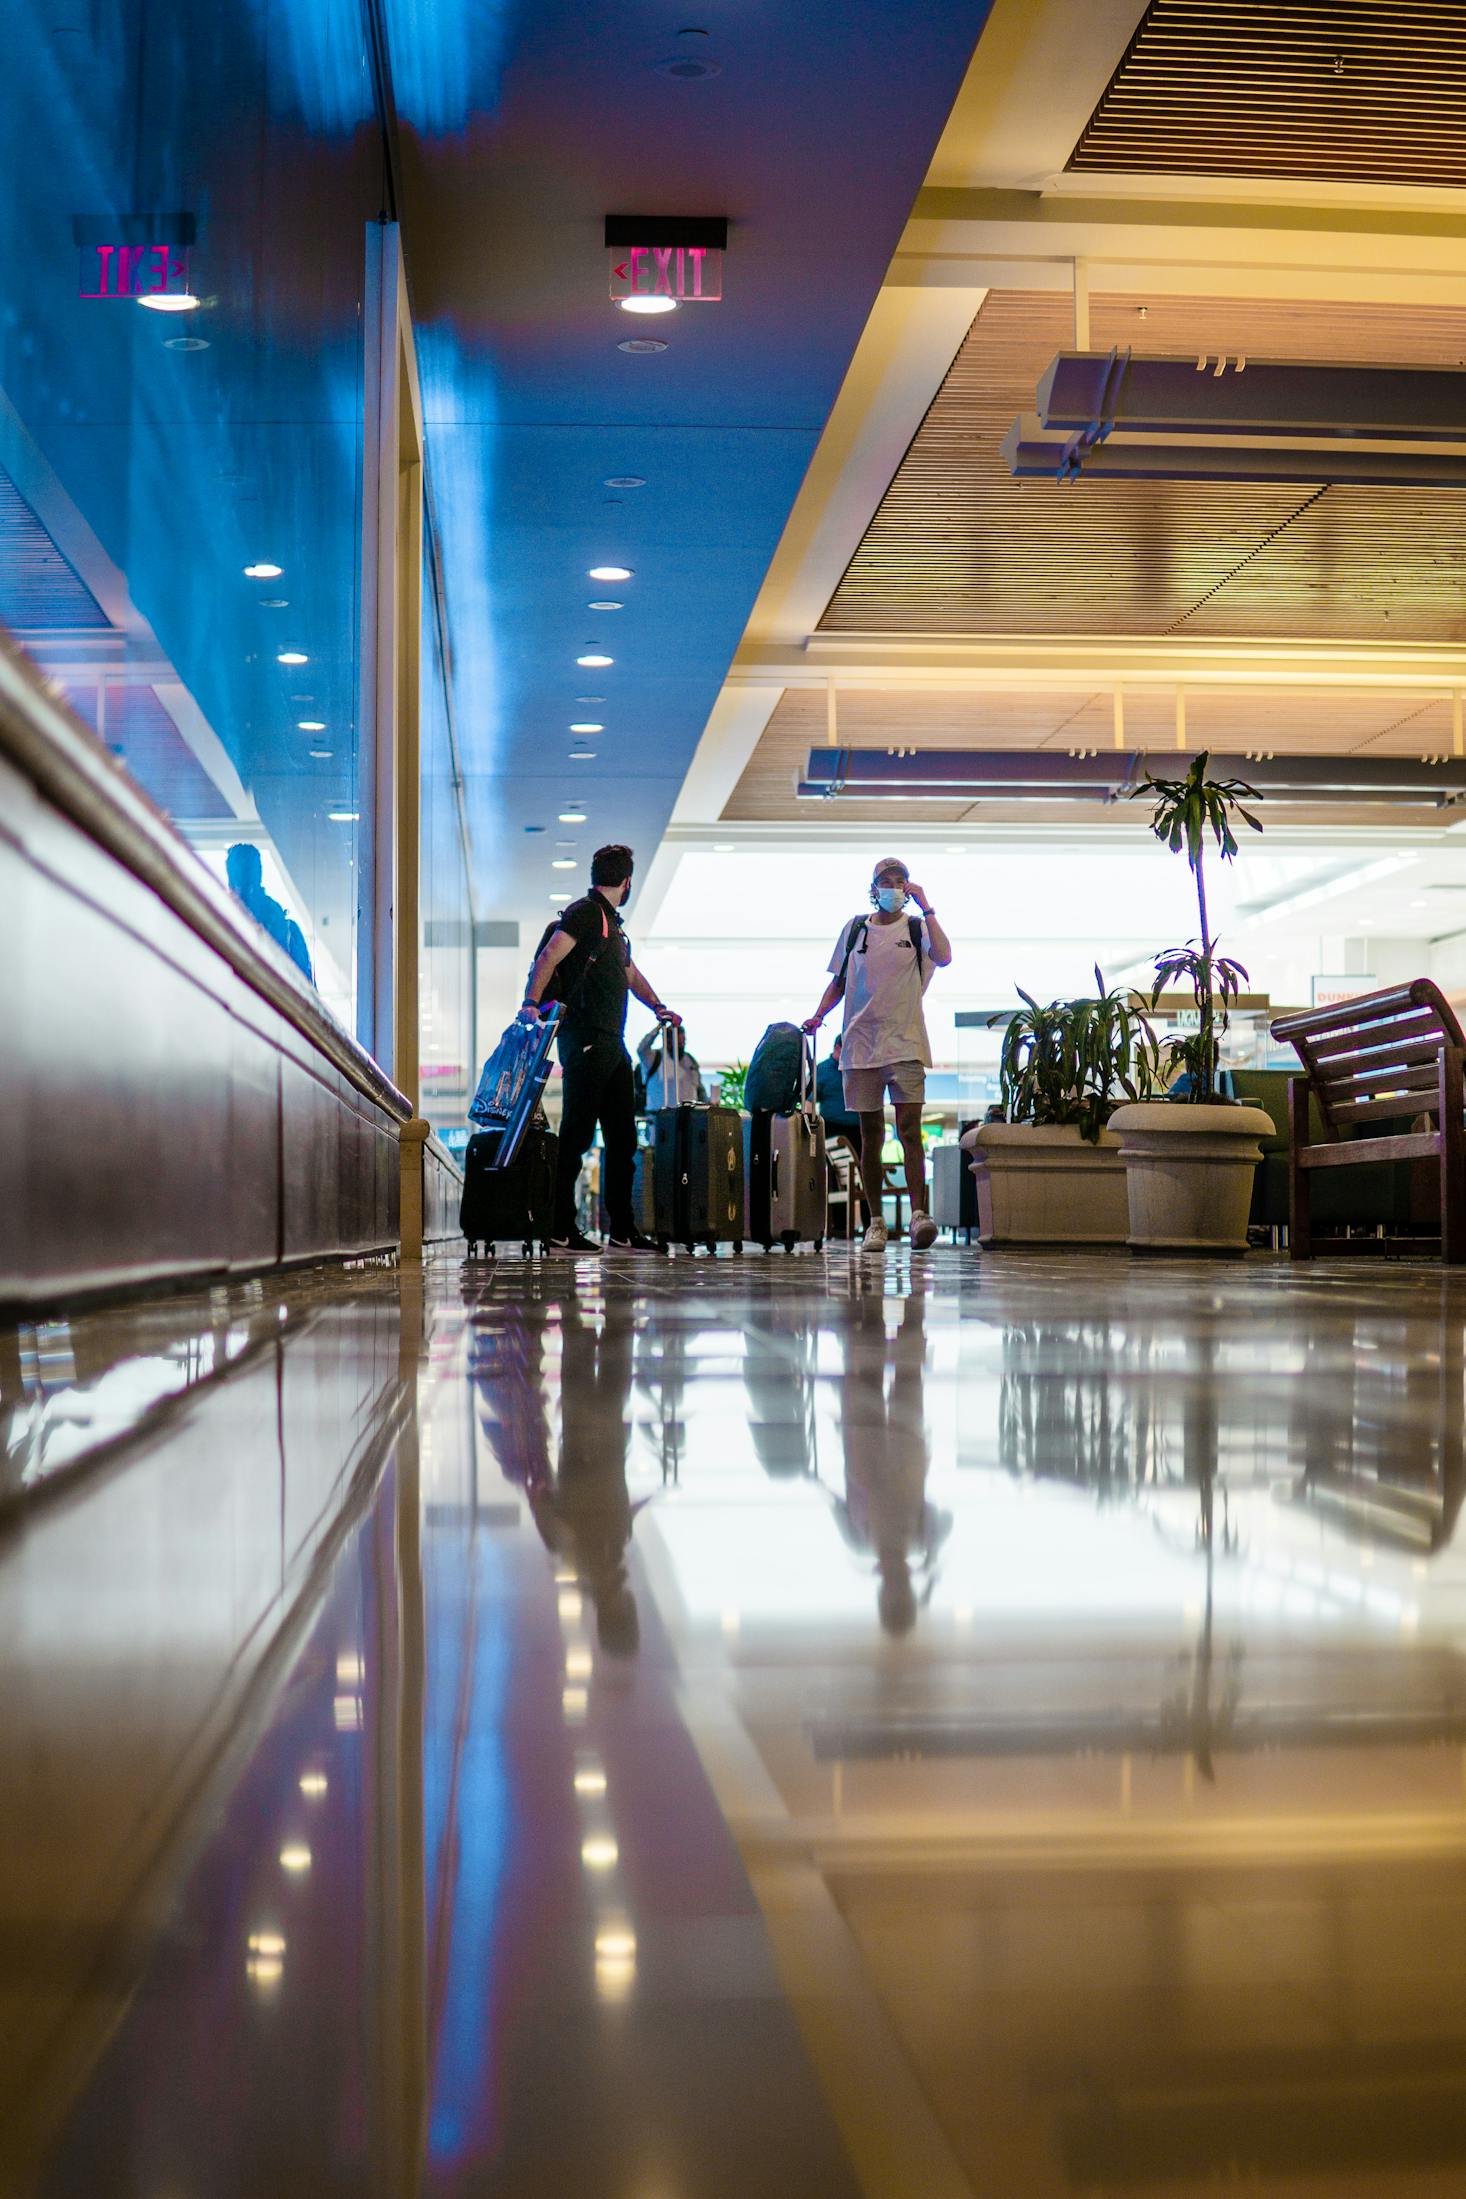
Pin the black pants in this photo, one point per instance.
(597, 1089)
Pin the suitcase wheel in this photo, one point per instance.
(790, 1239)
(819, 1244)
(738, 1244)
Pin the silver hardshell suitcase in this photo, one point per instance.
(787, 1173)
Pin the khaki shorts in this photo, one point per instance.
(865, 1089)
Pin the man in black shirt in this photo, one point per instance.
(586, 963)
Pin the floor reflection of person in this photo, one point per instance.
(885, 1513)
(584, 1513)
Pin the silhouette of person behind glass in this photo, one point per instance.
(885, 1511)
(247, 883)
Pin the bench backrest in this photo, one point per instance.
(1375, 1058)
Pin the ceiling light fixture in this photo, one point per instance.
(263, 572)
(170, 301)
(572, 816)
(582, 755)
(292, 656)
(311, 725)
(594, 659)
(642, 345)
(606, 604)
(609, 572)
(645, 304)
(185, 343)
(321, 755)
(564, 862)
(625, 481)
(343, 816)
(587, 725)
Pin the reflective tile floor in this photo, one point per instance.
(770, 1727)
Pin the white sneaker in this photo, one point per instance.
(875, 1238)
(923, 1231)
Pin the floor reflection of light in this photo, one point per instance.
(295, 1856)
(578, 1664)
(348, 1669)
(590, 1781)
(573, 1701)
(615, 1976)
(347, 1713)
(313, 1783)
(570, 1605)
(264, 1970)
(267, 1943)
(599, 1852)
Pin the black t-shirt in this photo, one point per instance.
(592, 980)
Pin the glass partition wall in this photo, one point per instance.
(181, 420)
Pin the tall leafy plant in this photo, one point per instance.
(1073, 1061)
(1186, 813)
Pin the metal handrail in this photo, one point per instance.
(67, 763)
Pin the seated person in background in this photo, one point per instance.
(829, 1097)
(246, 873)
(662, 1085)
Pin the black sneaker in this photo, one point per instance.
(577, 1241)
(635, 1242)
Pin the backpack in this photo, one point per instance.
(555, 981)
(859, 930)
(772, 1083)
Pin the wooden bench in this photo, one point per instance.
(1388, 1057)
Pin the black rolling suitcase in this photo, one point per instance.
(787, 1171)
(697, 1176)
(513, 1205)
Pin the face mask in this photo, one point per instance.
(892, 899)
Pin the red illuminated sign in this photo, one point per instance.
(692, 274)
(133, 270)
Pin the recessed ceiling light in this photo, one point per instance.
(605, 605)
(312, 725)
(343, 816)
(170, 301)
(609, 572)
(687, 68)
(572, 816)
(647, 305)
(582, 755)
(587, 725)
(642, 344)
(625, 481)
(564, 862)
(593, 658)
(263, 572)
(321, 755)
(292, 656)
(185, 343)
(275, 603)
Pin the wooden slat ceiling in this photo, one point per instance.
(1358, 90)
(1285, 721)
(959, 547)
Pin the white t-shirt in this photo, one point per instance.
(884, 990)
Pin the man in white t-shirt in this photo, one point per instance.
(881, 966)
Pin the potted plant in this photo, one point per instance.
(1189, 1158)
(1052, 1172)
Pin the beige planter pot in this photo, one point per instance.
(1047, 1186)
(1188, 1174)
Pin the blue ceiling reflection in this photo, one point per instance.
(812, 130)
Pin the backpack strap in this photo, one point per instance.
(858, 927)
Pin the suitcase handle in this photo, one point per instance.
(807, 1074)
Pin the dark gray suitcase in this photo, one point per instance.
(697, 1176)
(954, 1188)
(787, 1172)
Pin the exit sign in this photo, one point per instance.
(676, 256)
(133, 271)
(692, 274)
